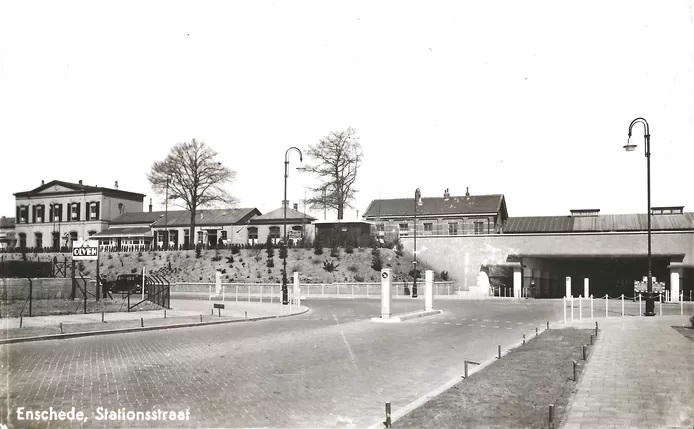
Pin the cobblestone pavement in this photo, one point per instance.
(640, 374)
(332, 367)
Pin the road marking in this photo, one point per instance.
(495, 327)
(435, 323)
(508, 321)
(509, 328)
(519, 323)
(458, 324)
(474, 320)
(483, 326)
(470, 324)
(349, 349)
(447, 323)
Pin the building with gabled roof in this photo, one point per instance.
(57, 213)
(298, 224)
(446, 215)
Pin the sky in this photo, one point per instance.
(530, 99)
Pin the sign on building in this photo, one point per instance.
(87, 250)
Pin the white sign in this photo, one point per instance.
(295, 235)
(85, 250)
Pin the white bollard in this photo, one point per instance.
(249, 293)
(607, 300)
(622, 305)
(217, 283)
(296, 291)
(586, 287)
(271, 294)
(224, 288)
(209, 292)
(563, 301)
(591, 306)
(428, 290)
(661, 307)
(568, 287)
(580, 308)
(261, 293)
(640, 314)
(681, 305)
(386, 282)
(367, 290)
(237, 293)
(572, 308)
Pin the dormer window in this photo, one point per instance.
(585, 213)
(667, 210)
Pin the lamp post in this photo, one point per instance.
(650, 303)
(285, 297)
(417, 202)
(53, 245)
(166, 217)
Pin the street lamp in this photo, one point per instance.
(417, 202)
(285, 297)
(166, 217)
(650, 302)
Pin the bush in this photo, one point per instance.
(234, 249)
(358, 278)
(414, 273)
(334, 251)
(399, 248)
(330, 266)
(376, 260)
(270, 263)
(349, 248)
(230, 260)
(283, 251)
(133, 270)
(444, 275)
(198, 250)
(270, 250)
(352, 268)
(317, 247)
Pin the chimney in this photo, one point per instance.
(296, 206)
(285, 203)
(150, 205)
(116, 185)
(80, 181)
(446, 195)
(467, 191)
(42, 183)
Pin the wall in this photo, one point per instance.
(463, 256)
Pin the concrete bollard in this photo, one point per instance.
(622, 305)
(164, 313)
(61, 327)
(584, 351)
(591, 306)
(591, 339)
(551, 416)
(499, 352)
(575, 365)
(548, 325)
(387, 423)
(102, 317)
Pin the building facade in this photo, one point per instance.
(272, 225)
(55, 214)
(8, 239)
(440, 216)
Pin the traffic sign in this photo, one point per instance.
(87, 250)
(384, 274)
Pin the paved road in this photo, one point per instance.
(332, 367)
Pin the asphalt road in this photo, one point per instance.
(332, 367)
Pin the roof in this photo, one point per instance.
(343, 222)
(278, 215)
(69, 188)
(124, 232)
(181, 218)
(602, 223)
(436, 206)
(6, 222)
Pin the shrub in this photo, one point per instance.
(234, 249)
(283, 251)
(270, 250)
(110, 256)
(230, 260)
(398, 248)
(270, 263)
(133, 270)
(80, 266)
(330, 266)
(110, 267)
(315, 262)
(139, 254)
(358, 278)
(334, 251)
(198, 250)
(352, 268)
(349, 248)
(413, 272)
(444, 275)
(317, 247)
(376, 260)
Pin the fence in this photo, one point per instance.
(577, 309)
(268, 291)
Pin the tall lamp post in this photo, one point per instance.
(417, 202)
(166, 217)
(650, 302)
(285, 297)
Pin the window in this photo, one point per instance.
(38, 238)
(404, 228)
(252, 233)
(22, 240)
(40, 218)
(199, 236)
(479, 227)
(428, 227)
(75, 211)
(93, 211)
(22, 214)
(275, 234)
(224, 235)
(453, 228)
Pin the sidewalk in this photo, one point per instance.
(182, 312)
(640, 374)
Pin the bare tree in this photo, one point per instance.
(191, 173)
(336, 159)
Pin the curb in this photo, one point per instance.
(406, 316)
(140, 329)
(441, 389)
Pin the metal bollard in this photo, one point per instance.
(142, 322)
(536, 332)
(102, 317)
(523, 338)
(499, 351)
(584, 351)
(201, 318)
(246, 313)
(165, 314)
(661, 307)
(212, 312)
(466, 365)
(575, 364)
(596, 329)
(591, 339)
(61, 327)
(20, 320)
(551, 416)
(387, 423)
(548, 325)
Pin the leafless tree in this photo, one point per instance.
(190, 173)
(336, 158)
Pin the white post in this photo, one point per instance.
(586, 287)
(367, 290)
(297, 296)
(607, 300)
(224, 288)
(591, 306)
(568, 287)
(237, 293)
(144, 270)
(271, 294)
(681, 304)
(580, 308)
(352, 290)
(661, 307)
(209, 292)
(261, 293)
(322, 290)
(428, 290)
(517, 281)
(386, 282)
(217, 283)
(448, 289)
(622, 305)
(571, 299)
(249, 293)
(563, 302)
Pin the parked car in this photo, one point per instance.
(127, 283)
